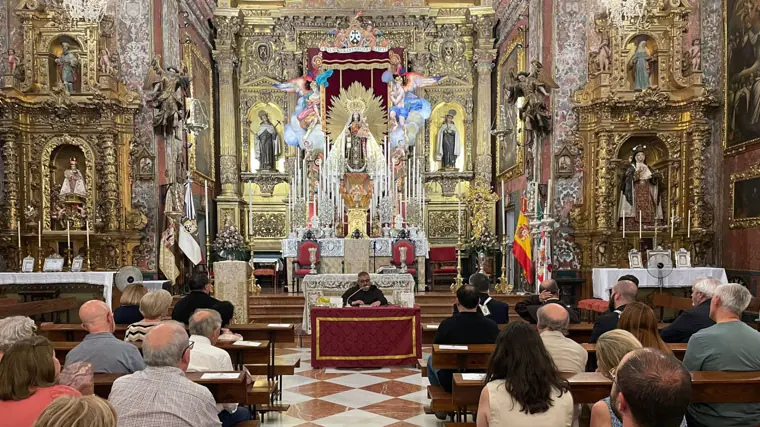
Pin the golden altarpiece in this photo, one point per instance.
(642, 97)
(273, 45)
(66, 132)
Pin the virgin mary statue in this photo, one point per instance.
(640, 194)
(355, 149)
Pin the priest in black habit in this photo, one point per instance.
(364, 293)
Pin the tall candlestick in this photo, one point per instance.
(68, 235)
(250, 209)
(623, 226)
(18, 227)
(208, 206)
(672, 222)
(87, 228)
(39, 234)
(503, 209)
(688, 227)
(640, 227)
(459, 209)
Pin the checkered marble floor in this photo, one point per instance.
(351, 397)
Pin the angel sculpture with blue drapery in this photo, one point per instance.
(304, 128)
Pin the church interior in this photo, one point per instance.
(276, 149)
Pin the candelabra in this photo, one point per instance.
(68, 256)
(208, 257)
(20, 259)
(253, 287)
(458, 282)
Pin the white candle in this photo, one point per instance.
(18, 227)
(68, 235)
(459, 209)
(623, 226)
(87, 227)
(250, 209)
(640, 227)
(250, 223)
(672, 222)
(208, 205)
(39, 234)
(688, 229)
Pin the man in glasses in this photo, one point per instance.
(364, 293)
(650, 388)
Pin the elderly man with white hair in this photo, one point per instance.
(13, 329)
(729, 345)
(694, 320)
(161, 395)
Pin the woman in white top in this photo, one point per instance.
(523, 387)
(154, 306)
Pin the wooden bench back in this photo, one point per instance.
(476, 357)
(226, 390)
(678, 349)
(36, 308)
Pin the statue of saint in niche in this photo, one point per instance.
(640, 192)
(641, 64)
(67, 63)
(448, 142)
(267, 143)
(73, 182)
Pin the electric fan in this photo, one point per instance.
(127, 276)
(659, 266)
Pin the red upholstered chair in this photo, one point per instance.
(302, 264)
(443, 262)
(590, 307)
(411, 260)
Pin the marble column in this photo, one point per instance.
(227, 22)
(483, 57)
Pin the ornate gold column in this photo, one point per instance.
(109, 187)
(483, 57)
(701, 140)
(605, 186)
(10, 157)
(228, 23)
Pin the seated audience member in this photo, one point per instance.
(650, 388)
(548, 292)
(623, 293)
(15, 328)
(523, 386)
(610, 350)
(28, 374)
(78, 376)
(729, 345)
(160, 395)
(106, 353)
(226, 310)
(153, 306)
(568, 355)
(197, 298)
(467, 327)
(639, 320)
(205, 327)
(630, 278)
(696, 319)
(495, 310)
(364, 293)
(129, 310)
(71, 411)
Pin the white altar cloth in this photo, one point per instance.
(100, 278)
(327, 285)
(334, 247)
(605, 278)
(154, 285)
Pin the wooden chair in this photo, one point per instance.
(410, 261)
(443, 263)
(302, 263)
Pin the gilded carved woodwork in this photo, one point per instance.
(442, 224)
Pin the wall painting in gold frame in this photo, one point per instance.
(745, 199)
(510, 153)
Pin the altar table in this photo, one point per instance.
(334, 285)
(684, 277)
(365, 336)
(98, 278)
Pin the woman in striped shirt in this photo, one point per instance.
(154, 306)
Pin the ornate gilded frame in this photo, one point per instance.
(89, 173)
(752, 173)
(517, 43)
(189, 50)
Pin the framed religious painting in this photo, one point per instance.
(634, 259)
(508, 129)
(744, 211)
(683, 258)
(742, 82)
(201, 151)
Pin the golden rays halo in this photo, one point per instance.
(357, 98)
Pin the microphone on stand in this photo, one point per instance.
(351, 296)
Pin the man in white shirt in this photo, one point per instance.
(568, 355)
(205, 327)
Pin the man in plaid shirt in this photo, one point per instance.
(160, 395)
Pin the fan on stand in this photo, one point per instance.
(659, 266)
(127, 276)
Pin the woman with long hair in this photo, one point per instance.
(639, 320)
(523, 386)
(28, 375)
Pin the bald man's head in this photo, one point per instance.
(96, 317)
(624, 292)
(167, 344)
(553, 317)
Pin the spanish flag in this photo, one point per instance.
(521, 248)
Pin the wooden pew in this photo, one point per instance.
(239, 354)
(4, 302)
(36, 308)
(224, 390)
(589, 387)
(678, 349)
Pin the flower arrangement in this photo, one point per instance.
(486, 242)
(228, 242)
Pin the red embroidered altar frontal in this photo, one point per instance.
(365, 336)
